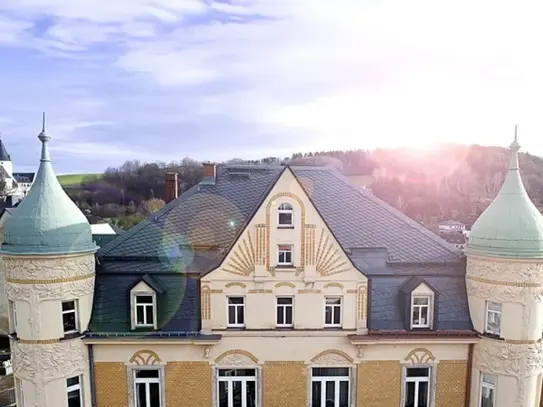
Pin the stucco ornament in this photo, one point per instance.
(521, 361)
(236, 360)
(505, 271)
(48, 269)
(332, 357)
(43, 363)
(517, 360)
(503, 293)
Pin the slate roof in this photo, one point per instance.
(4, 156)
(194, 233)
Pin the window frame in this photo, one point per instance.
(336, 379)
(291, 251)
(488, 311)
(19, 391)
(492, 386)
(414, 306)
(340, 306)
(282, 211)
(229, 379)
(152, 305)
(133, 309)
(75, 311)
(430, 379)
(134, 383)
(76, 387)
(236, 306)
(284, 311)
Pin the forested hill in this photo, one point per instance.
(451, 181)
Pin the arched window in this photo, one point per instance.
(285, 215)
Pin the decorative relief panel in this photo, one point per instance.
(42, 363)
(205, 302)
(504, 293)
(236, 357)
(145, 357)
(332, 357)
(242, 260)
(310, 232)
(517, 360)
(361, 304)
(420, 356)
(261, 246)
(329, 258)
(48, 269)
(505, 270)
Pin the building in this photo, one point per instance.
(273, 287)
(17, 184)
(450, 225)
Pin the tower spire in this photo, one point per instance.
(44, 138)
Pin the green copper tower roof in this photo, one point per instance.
(511, 226)
(47, 221)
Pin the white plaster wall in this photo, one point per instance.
(277, 349)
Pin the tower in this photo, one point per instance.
(504, 281)
(49, 265)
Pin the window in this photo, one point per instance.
(330, 386)
(332, 311)
(75, 397)
(488, 390)
(69, 317)
(145, 311)
(420, 311)
(236, 387)
(417, 387)
(147, 388)
(284, 312)
(236, 312)
(493, 317)
(284, 215)
(13, 316)
(284, 255)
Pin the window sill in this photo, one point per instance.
(333, 327)
(492, 335)
(71, 335)
(235, 328)
(284, 327)
(421, 328)
(284, 267)
(141, 328)
(285, 227)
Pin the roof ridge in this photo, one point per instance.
(400, 215)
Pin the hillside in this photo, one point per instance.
(449, 182)
(75, 180)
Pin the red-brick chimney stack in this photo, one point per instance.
(171, 186)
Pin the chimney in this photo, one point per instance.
(170, 192)
(209, 174)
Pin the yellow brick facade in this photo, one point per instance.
(379, 384)
(284, 384)
(111, 384)
(451, 383)
(188, 384)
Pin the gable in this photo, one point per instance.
(315, 250)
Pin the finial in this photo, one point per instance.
(44, 138)
(515, 145)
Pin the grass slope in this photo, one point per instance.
(75, 179)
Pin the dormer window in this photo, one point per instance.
(143, 302)
(285, 216)
(420, 311)
(493, 318)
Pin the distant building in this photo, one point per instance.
(459, 240)
(17, 184)
(451, 226)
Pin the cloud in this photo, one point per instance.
(211, 78)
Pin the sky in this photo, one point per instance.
(160, 80)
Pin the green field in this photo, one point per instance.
(75, 179)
